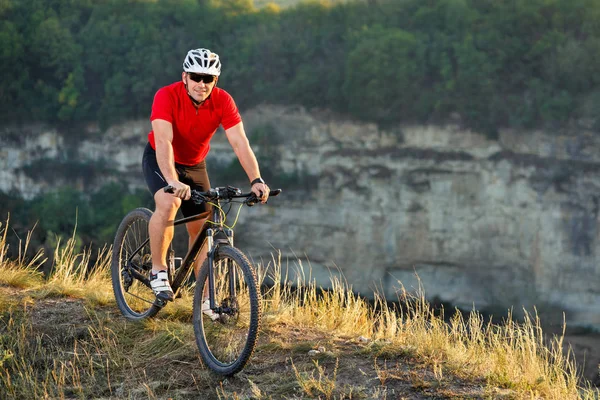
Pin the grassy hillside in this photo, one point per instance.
(61, 336)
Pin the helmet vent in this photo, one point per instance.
(202, 61)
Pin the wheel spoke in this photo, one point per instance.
(227, 342)
(131, 266)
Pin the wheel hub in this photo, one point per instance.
(127, 279)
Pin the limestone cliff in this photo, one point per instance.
(484, 223)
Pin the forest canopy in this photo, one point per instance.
(487, 63)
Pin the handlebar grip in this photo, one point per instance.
(252, 199)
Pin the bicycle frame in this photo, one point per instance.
(214, 238)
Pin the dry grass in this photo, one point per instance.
(19, 272)
(73, 276)
(34, 367)
(301, 303)
(508, 355)
(317, 382)
(102, 355)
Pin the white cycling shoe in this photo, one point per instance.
(160, 285)
(207, 311)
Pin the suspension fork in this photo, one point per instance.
(230, 270)
(211, 273)
(212, 249)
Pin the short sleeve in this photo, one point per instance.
(231, 115)
(162, 107)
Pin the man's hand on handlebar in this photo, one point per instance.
(180, 190)
(261, 190)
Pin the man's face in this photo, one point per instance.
(199, 85)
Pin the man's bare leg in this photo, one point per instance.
(161, 233)
(193, 229)
(161, 228)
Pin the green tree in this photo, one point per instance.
(382, 75)
(61, 211)
(13, 69)
(493, 63)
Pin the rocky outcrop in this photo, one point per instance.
(476, 222)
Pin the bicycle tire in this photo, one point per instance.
(227, 343)
(135, 300)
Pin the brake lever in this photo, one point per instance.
(198, 198)
(233, 191)
(251, 200)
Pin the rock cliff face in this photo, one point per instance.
(479, 222)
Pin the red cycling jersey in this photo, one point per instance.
(192, 128)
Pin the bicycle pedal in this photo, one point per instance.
(165, 297)
(162, 301)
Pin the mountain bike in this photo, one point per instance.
(226, 279)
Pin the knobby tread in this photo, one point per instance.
(133, 216)
(256, 307)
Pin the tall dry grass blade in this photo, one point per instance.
(97, 282)
(3, 244)
(71, 274)
(21, 272)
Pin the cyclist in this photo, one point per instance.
(185, 116)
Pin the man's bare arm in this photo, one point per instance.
(239, 142)
(163, 139)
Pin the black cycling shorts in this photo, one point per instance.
(195, 176)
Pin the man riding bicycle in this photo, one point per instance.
(185, 116)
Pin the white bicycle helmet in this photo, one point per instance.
(202, 61)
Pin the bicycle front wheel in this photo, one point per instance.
(226, 336)
(131, 265)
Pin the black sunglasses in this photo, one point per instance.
(201, 77)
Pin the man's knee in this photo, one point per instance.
(166, 203)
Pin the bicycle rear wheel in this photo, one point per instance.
(227, 343)
(131, 265)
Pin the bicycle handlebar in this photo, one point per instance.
(224, 193)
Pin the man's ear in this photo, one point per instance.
(183, 74)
